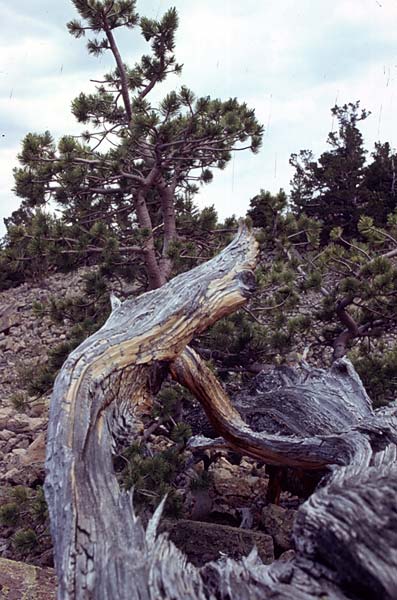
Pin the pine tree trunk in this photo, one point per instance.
(155, 277)
(167, 193)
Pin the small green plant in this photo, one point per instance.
(202, 481)
(42, 380)
(170, 401)
(233, 342)
(24, 540)
(25, 511)
(9, 514)
(39, 309)
(181, 433)
(20, 401)
(20, 494)
(153, 477)
(377, 369)
(38, 507)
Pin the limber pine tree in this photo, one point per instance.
(333, 188)
(125, 182)
(340, 296)
(327, 275)
(380, 181)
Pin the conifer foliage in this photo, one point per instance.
(125, 186)
(340, 186)
(124, 193)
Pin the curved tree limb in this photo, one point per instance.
(345, 534)
(99, 398)
(312, 452)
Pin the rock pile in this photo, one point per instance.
(22, 447)
(19, 580)
(25, 340)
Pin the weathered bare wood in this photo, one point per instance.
(100, 396)
(345, 534)
(312, 452)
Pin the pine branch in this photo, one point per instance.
(120, 66)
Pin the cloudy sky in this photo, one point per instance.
(290, 60)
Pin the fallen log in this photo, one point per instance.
(104, 389)
(345, 534)
(284, 402)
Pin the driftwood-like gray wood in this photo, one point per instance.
(310, 453)
(304, 400)
(300, 400)
(345, 534)
(100, 396)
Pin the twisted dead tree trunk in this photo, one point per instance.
(105, 387)
(100, 396)
(312, 452)
(345, 534)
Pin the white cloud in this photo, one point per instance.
(42, 110)
(377, 11)
(289, 60)
(30, 53)
(8, 202)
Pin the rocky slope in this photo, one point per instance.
(25, 340)
(234, 498)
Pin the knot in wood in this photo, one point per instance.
(247, 281)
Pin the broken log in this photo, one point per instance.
(101, 394)
(345, 534)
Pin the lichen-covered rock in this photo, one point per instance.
(277, 522)
(20, 581)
